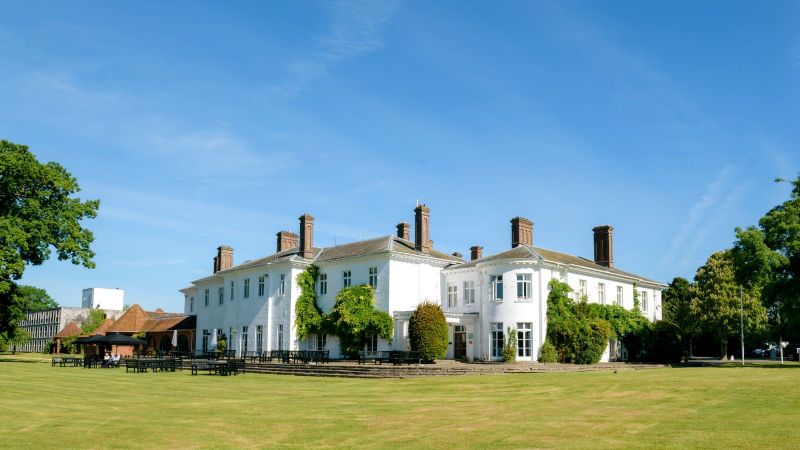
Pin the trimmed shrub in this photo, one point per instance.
(548, 353)
(427, 330)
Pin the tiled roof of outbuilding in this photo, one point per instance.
(70, 330)
(136, 320)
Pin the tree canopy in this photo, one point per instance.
(679, 306)
(427, 331)
(38, 215)
(718, 297)
(767, 257)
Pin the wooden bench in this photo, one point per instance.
(57, 361)
(377, 357)
(400, 357)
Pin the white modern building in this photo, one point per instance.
(103, 298)
(253, 303)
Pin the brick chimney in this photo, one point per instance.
(404, 231)
(287, 240)
(604, 245)
(306, 236)
(521, 232)
(422, 242)
(475, 252)
(224, 258)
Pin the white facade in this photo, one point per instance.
(103, 298)
(523, 304)
(253, 303)
(401, 280)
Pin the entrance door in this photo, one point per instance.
(459, 342)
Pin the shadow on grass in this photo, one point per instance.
(735, 365)
(11, 359)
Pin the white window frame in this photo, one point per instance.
(373, 277)
(644, 302)
(322, 341)
(221, 293)
(191, 304)
(347, 278)
(583, 288)
(261, 283)
(524, 287)
(452, 295)
(259, 338)
(497, 339)
(206, 297)
(280, 336)
(496, 285)
(246, 293)
(469, 292)
(233, 289)
(244, 340)
(282, 285)
(619, 295)
(524, 339)
(323, 284)
(601, 293)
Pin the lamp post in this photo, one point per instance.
(741, 321)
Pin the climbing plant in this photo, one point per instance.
(580, 331)
(636, 304)
(354, 319)
(310, 318)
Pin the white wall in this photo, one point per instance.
(103, 298)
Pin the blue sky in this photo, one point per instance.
(198, 124)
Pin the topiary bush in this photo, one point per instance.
(427, 331)
(548, 353)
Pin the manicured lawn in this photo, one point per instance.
(54, 407)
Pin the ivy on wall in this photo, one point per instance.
(309, 316)
(579, 331)
(353, 318)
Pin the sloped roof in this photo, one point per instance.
(103, 328)
(538, 253)
(72, 329)
(383, 244)
(136, 320)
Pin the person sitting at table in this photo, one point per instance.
(106, 360)
(114, 361)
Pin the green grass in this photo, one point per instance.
(54, 407)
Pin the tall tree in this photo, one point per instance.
(35, 299)
(718, 301)
(769, 256)
(38, 214)
(679, 308)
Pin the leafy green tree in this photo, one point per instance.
(718, 301)
(427, 331)
(354, 318)
(680, 308)
(38, 215)
(768, 257)
(95, 318)
(35, 299)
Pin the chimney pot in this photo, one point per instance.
(422, 242)
(476, 252)
(404, 231)
(306, 236)
(604, 245)
(521, 232)
(286, 240)
(224, 259)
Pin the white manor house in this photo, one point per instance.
(253, 303)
